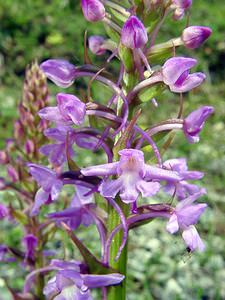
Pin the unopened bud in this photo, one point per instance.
(4, 158)
(12, 173)
(29, 147)
(96, 44)
(194, 36)
(134, 34)
(93, 10)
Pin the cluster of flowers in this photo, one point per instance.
(125, 176)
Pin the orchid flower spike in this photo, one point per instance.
(184, 217)
(182, 188)
(194, 36)
(134, 176)
(93, 10)
(134, 34)
(175, 73)
(68, 111)
(194, 122)
(50, 185)
(60, 71)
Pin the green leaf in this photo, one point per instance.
(151, 92)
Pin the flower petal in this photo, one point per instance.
(101, 170)
(52, 114)
(148, 189)
(41, 198)
(110, 188)
(172, 225)
(192, 239)
(96, 281)
(161, 174)
(191, 82)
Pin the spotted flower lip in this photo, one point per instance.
(60, 71)
(194, 36)
(182, 188)
(69, 110)
(134, 34)
(194, 123)
(185, 215)
(175, 73)
(50, 186)
(69, 276)
(93, 10)
(134, 176)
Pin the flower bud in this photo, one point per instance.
(29, 147)
(60, 71)
(3, 211)
(4, 158)
(194, 36)
(195, 121)
(30, 242)
(134, 34)
(95, 43)
(93, 10)
(12, 173)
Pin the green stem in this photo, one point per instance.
(117, 292)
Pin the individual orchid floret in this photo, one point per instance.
(71, 283)
(185, 215)
(181, 188)
(93, 10)
(4, 212)
(30, 242)
(175, 73)
(96, 44)
(50, 185)
(60, 71)
(57, 153)
(194, 36)
(78, 212)
(134, 176)
(195, 121)
(134, 34)
(69, 110)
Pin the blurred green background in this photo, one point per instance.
(159, 267)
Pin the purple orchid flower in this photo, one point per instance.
(134, 34)
(60, 71)
(182, 187)
(68, 111)
(4, 212)
(50, 185)
(194, 36)
(96, 44)
(71, 283)
(195, 121)
(57, 152)
(30, 242)
(184, 216)
(134, 176)
(93, 10)
(175, 73)
(78, 212)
